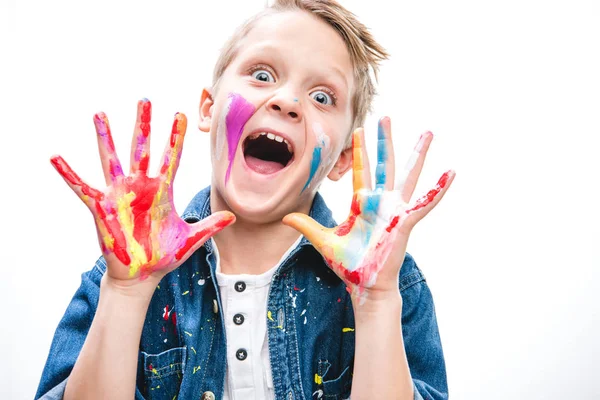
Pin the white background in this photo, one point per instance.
(511, 90)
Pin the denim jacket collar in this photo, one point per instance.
(199, 208)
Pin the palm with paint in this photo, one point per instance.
(367, 250)
(138, 229)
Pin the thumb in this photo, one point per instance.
(203, 230)
(316, 233)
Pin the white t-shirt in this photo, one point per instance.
(244, 300)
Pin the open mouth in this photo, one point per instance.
(267, 153)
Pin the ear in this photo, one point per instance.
(342, 165)
(206, 106)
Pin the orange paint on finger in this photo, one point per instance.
(357, 160)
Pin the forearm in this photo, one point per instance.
(380, 365)
(107, 364)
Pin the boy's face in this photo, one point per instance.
(280, 118)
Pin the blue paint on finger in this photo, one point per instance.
(380, 173)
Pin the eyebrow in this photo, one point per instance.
(340, 75)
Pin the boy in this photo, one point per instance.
(254, 312)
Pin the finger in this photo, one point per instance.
(311, 229)
(140, 145)
(384, 174)
(83, 190)
(173, 150)
(426, 203)
(361, 175)
(111, 166)
(412, 170)
(203, 230)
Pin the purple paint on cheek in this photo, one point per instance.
(239, 113)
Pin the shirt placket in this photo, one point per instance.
(240, 352)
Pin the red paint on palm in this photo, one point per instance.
(144, 164)
(345, 228)
(144, 188)
(114, 229)
(201, 235)
(392, 225)
(354, 277)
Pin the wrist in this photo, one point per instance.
(139, 292)
(377, 303)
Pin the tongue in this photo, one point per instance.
(262, 166)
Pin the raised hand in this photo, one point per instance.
(367, 250)
(138, 228)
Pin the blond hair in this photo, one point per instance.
(365, 53)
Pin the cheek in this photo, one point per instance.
(322, 156)
(231, 121)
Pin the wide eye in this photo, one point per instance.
(263, 75)
(322, 97)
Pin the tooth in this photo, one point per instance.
(263, 133)
(270, 136)
(289, 146)
(279, 139)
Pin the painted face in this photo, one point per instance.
(280, 118)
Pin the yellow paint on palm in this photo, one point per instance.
(124, 214)
(156, 254)
(107, 239)
(158, 199)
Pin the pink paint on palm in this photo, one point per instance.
(239, 113)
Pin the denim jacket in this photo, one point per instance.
(182, 351)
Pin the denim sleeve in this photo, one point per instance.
(421, 336)
(70, 335)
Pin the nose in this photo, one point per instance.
(285, 105)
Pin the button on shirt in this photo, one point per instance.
(244, 299)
